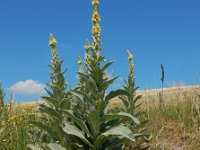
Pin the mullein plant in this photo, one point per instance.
(83, 124)
(94, 128)
(132, 106)
(52, 110)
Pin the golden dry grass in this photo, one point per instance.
(176, 127)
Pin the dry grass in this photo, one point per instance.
(176, 126)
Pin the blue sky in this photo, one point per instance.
(156, 31)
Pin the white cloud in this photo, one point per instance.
(28, 87)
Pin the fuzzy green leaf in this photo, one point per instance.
(124, 100)
(106, 84)
(120, 131)
(34, 147)
(55, 146)
(121, 115)
(50, 100)
(78, 121)
(94, 121)
(107, 65)
(116, 93)
(73, 130)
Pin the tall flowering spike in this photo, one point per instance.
(131, 77)
(80, 68)
(87, 55)
(96, 30)
(52, 43)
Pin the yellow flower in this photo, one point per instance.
(130, 56)
(95, 2)
(79, 61)
(52, 41)
(96, 30)
(95, 17)
(87, 45)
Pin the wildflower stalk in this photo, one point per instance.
(96, 30)
(56, 102)
(131, 106)
(131, 77)
(57, 83)
(132, 98)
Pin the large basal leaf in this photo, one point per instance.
(34, 147)
(121, 115)
(78, 121)
(54, 146)
(73, 130)
(116, 143)
(120, 131)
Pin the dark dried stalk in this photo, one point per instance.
(161, 94)
(162, 76)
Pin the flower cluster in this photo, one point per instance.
(80, 69)
(87, 45)
(130, 56)
(131, 67)
(52, 41)
(95, 3)
(96, 30)
(95, 17)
